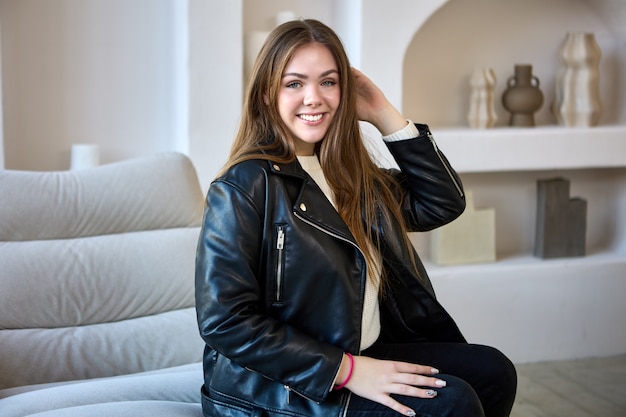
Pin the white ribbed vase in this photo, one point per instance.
(481, 113)
(577, 89)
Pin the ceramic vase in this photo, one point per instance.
(482, 114)
(522, 97)
(577, 88)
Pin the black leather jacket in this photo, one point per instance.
(280, 283)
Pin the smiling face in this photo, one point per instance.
(309, 95)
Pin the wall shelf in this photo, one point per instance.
(529, 264)
(533, 149)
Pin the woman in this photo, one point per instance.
(310, 297)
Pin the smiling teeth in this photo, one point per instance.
(310, 118)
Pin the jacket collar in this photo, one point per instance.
(292, 169)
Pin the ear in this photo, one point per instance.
(266, 100)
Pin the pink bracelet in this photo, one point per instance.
(340, 386)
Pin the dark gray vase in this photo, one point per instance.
(522, 98)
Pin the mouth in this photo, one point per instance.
(312, 118)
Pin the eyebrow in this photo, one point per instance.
(322, 75)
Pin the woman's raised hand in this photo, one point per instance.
(373, 106)
(376, 379)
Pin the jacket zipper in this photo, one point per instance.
(280, 245)
(329, 232)
(290, 390)
(454, 181)
(345, 410)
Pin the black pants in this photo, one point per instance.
(481, 381)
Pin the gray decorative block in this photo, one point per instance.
(561, 221)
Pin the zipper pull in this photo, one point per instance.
(280, 241)
(288, 394)
(432, 141)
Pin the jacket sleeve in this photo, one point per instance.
(433, 192)
(229, 302)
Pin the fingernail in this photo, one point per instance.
(410, 413)
(440, 383)
(434, 371)
(431, 393)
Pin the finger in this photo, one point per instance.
(413, 368)
(420, 380)
(397, 407)
(412, 391)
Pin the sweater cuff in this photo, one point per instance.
(408, 132)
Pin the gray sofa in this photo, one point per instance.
(96, 290)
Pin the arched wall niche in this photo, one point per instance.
(462, 35)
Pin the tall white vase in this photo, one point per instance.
(481, 113)
(577, 89)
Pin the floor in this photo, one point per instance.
(582, 388)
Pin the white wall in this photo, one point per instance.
(103, 72)
(348, 25)
(261, 15)
(134, 77)
(1, 112)
(215, 82)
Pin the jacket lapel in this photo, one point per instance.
(311, 204)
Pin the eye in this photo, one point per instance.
(293, 84)
(329, 83)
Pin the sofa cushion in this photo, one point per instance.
(33, 356)
(129, 395)
(128, 409)
(153, 192)
(75, 282)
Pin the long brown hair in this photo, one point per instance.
(364, 194)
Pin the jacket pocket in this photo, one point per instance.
(213, 407)
(280, 262)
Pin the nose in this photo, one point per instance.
(312, 96)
